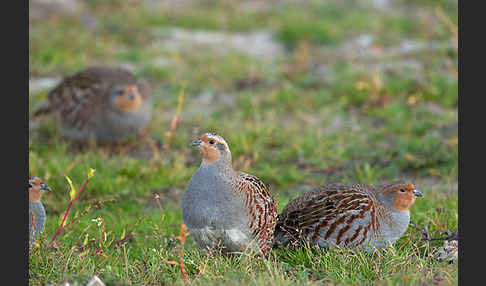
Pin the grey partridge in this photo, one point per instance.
(226, 209)
(37, 213)
(103, 104)
(347, 215)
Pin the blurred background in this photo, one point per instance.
(304, 92)
(309, 84)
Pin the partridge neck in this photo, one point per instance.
(34, 196)
(223, 169)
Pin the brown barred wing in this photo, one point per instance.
(76, 99)
(341, 214)
(262, 208)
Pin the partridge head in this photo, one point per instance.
(398, 196)
(36, 189)
(213, 149)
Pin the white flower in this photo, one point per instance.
(98, 220)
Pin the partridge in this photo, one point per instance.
(226, 209)
(348, 215)
(37, 213)
(100, 103)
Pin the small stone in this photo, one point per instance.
(95, 281)
(448, 252)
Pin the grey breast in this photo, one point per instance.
(399, 224)
(210, 202)
(39, 219)
(115, 125)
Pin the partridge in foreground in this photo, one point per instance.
(37, 213)
(226, 209)
(100, 103)
(348, 215)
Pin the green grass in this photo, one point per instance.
(285, 122)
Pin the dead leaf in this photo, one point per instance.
(410, 157)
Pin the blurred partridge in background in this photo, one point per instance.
(37, 213)
(348, 215)
(225, 208)
(103, 104)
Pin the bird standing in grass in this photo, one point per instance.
(348, 215)
(100, 103)
(224, 208)
(37, 213)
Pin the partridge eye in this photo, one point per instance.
(211, 142)
(402, 190)
(30, 185)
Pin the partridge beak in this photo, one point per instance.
(417, 193)
(45, 187)
(196, 143)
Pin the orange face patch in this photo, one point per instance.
(403, 201)
(130, 100)
(36, 181)
(209, 151)
(404, 196)
(35, 192)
